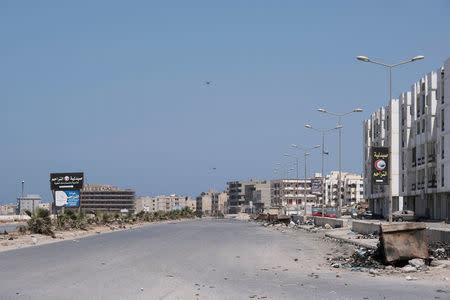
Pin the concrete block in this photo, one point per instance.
(335, 223)
(366, 227)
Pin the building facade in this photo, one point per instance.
(8, 209)
(106, 198)
(414, 128)
(248, 196)
(29, 202)
(289, 194)
(352, 189)
(164, 203)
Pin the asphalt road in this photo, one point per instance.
(199, 259)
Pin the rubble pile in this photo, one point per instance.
(439, 250)
(362, 258)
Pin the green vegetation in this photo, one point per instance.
(42, 223)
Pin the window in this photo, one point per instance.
(442, 175)
(442, 120)
(418, 127)
(423, 125)
(442, 147)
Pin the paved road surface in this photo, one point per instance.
(199, 259)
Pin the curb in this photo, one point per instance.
(353, 242)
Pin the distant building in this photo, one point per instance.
(289, 194)
(8, 209)
(29, 202)
(48, 206)
(106, 198)
(249, 196)
(205, 203)
(352, 189)
(164, 203)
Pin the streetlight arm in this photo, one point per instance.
(402, 63)
(379, 63)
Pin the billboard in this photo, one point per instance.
(67, 198)
(66, 181)
(316, 186)
(380, 165)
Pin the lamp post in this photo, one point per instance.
(213, 171)
(366, 59)
(21, 202)
(305, 154)
(323, 131)
(340, 150)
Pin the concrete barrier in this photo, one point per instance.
(13, 218)
(438, 235)
(335, 223)
(366, 227)
(374, 227)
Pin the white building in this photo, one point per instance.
(415, 127)
(382, 130)
(163, 203)
(352, 190)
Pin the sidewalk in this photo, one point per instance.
(345, 235)
(348, 236)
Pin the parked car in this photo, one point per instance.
(331, 213)
(404, 215)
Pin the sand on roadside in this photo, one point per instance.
(16, 240)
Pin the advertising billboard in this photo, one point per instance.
(67, 198)
(380, 165)
(316, 186)
(66, 181)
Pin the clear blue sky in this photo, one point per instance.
(116, 88)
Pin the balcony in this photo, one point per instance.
(432, 183)
(432, 157)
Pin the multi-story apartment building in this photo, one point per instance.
(29, 202)
(249, 196)
(290, 194)
(414, 127)
(164, 203)
(211, 202)
(106, 198)
(352, 189)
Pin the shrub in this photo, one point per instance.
(40, 222)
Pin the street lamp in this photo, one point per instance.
(340, 150)
(296, 160)
(323, 131)
(305, 154)
(366, 59)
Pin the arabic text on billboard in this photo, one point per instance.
(380, 165)
(67, 198)
(66, 181)
(316, 186)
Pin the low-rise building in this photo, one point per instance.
(29, 202)
(106, 198)
(48, 206)
(163, 203)
(8, 209)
